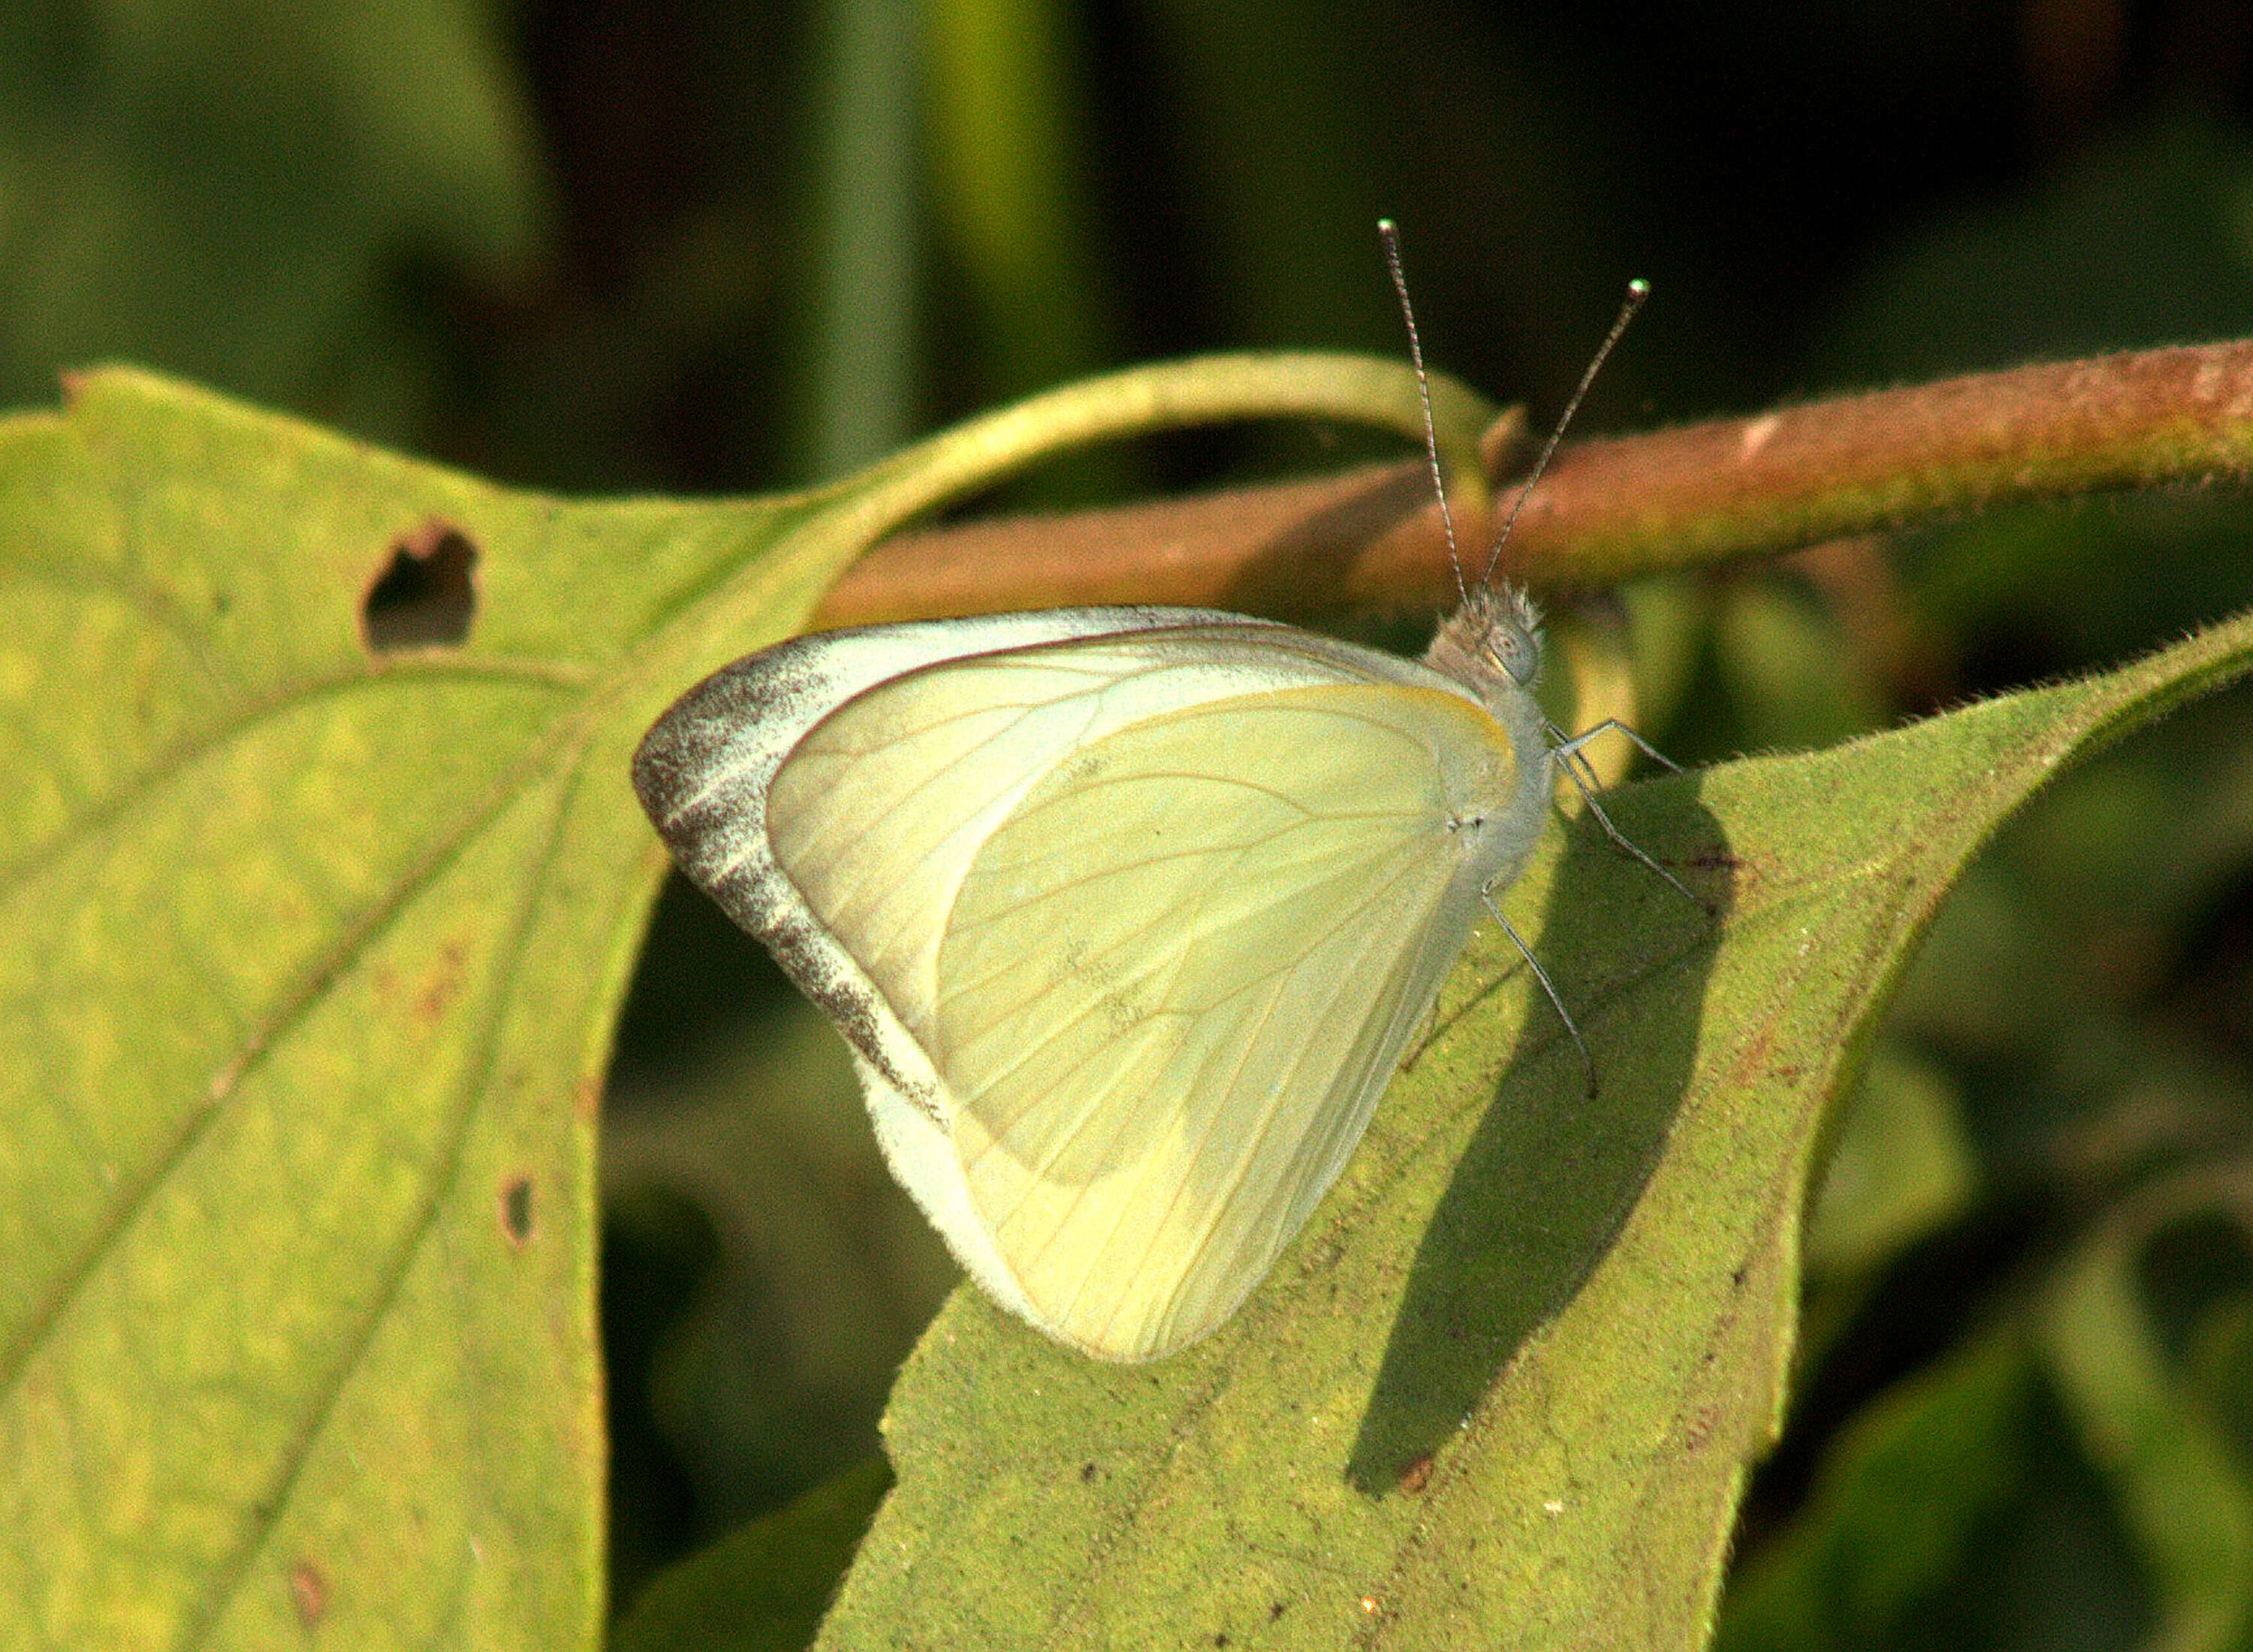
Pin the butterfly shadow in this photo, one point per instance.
(1552, 1172)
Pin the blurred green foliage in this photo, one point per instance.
(696, 246)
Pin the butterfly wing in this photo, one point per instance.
(1126, 918)
(1176, 981)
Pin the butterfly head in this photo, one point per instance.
(1491, 645)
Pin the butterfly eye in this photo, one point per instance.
(1515, 649)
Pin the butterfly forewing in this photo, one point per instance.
(876, 811)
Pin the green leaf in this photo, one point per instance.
(213, 190)
(1900, 1169)
(1505, 1390)
(1902, 1495)
(318, 913)
(765, 1585)
(2185, 1496)
(313, 950)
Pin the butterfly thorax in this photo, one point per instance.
(1491, 646)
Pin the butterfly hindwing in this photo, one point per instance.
(1175, 983)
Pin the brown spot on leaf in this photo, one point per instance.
(442, 984)
(310, 1591)
(516, 1211)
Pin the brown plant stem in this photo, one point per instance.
(1369, 539)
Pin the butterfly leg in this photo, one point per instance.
(1572, 747)
(1575, 765)
(1587, 1061)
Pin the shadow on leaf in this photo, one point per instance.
(1551, 1172)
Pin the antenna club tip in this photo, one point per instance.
(1386, 226)
(1638, 288)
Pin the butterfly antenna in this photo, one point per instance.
(1638, 290)
(1389, 233)
(1567, 750)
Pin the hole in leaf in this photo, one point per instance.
(426, 593)
(516, 1210)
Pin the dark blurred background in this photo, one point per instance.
(703, 248)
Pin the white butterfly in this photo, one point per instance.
(1127, 914)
